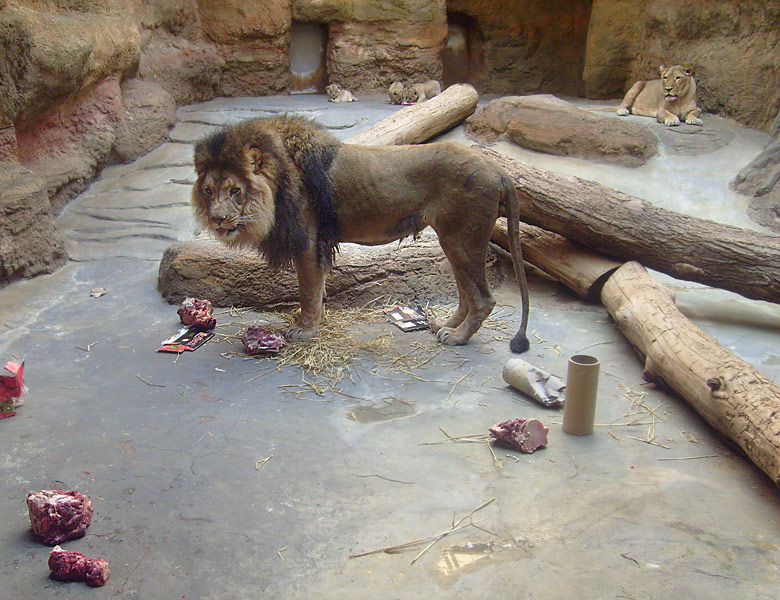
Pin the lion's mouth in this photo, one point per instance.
(222, 232)
(671, 96)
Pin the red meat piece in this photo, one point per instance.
(193, 311)
(525, 435)
(257, 340)
(58, 516)
(74, 566)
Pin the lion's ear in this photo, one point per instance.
(662, 68)
(688, 70)
(255, 157)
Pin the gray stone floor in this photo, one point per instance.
(171, 450)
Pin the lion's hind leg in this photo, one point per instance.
(628, 100)
(475, 302)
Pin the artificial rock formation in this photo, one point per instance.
(759, 180)
(548, 124)
(29, 243)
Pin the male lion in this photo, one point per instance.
(290, 189)
(669, 99)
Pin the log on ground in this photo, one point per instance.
(574, 265)
(616, 224)
(727, 392)
(417, 123)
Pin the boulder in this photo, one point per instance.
(729, 43)
(190, 72)
(411, 271)
(759, 180)
(545, 123)
(29, 243)
(149, 112)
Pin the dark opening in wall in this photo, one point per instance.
(462, 58)
(308, 72)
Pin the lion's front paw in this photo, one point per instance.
(297, 333)
(448, 336)
(622, 111)
(671, 121)
(693, 121)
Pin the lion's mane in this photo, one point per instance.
(297, 155)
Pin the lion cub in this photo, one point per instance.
(420, 92)
(396, 92)
(337, 94)
(670, 99)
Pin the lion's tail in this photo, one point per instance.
(520, 342)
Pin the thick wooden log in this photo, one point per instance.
(730, 394)
(574, 265)
(417, 123)
(616, 224)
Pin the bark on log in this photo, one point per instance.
(616, 224)
(576, 266)
(730, 394)
(417, 123)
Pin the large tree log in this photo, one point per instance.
(729, 393)
(576, 266)
(616, 224)
(417, 123)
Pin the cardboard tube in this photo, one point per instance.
(582, 385)
(537, 383)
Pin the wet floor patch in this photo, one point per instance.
(383, 410)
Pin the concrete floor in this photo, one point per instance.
(171, 450)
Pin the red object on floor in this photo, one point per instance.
(11, 386)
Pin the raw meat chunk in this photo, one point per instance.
(257, 340)
(193, 311)
(74, 566)
(525, 435)
(58, 516)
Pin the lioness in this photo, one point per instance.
(669, 99)
(338, 94)
(420, 92)
(287, 187)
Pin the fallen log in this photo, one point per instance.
(616, 224)
(574, 265)
(731, 395)
(419, 122)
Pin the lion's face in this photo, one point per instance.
(411, 95)
(396, 92)
(333, 91)
(233, 196)
(676, 81)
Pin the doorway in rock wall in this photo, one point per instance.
(462, 58)
(308, 72)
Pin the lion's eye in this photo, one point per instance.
(208, 191)
(235, 190)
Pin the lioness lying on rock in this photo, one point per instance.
(670, 99)
(288, 188)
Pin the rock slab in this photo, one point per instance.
(548, 124)
(29, 243)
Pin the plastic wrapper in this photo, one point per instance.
(58, 516)
(525, 435)
(74, 566)
(537, 383)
